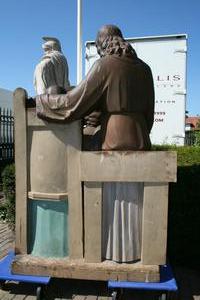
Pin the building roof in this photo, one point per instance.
(193, 121)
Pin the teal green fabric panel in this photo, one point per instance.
(48, 228)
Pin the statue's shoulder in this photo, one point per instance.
(43, 65)
(104, 61)
(143, 64)
(44, 60)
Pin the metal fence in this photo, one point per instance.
(6, 135)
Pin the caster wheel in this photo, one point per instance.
(114, 295)
(2, 284)
(39, 293)
(163, 297)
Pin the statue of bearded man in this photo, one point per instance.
(52, 70)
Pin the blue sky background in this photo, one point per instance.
(24, 22)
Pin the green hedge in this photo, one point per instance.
(7, 209)
(184, 208)
(3, 164)
(186, 155)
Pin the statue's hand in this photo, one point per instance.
(93, 119)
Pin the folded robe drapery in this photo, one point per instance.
(122, 221)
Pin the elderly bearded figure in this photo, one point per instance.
(52, 69)
(120, 86)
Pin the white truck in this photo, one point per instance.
(166, 55)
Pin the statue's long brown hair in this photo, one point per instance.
(110, 41)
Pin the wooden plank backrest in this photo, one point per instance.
(20, 133)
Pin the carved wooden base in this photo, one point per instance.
(78, 269)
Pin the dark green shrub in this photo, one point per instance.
(7, 210)
(184, 208)
(3, 164)
(3, 211)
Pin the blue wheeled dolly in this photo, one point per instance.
(6, 275)
(167, 284)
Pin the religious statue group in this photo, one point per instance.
(117, 97)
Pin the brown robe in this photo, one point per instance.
(122, 89)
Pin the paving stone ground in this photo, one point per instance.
(6, 238)
(64, 289)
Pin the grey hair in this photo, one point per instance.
(52, 45)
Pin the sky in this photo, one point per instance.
(24, 22)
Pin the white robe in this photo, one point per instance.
(51, 71)
(122, 221)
